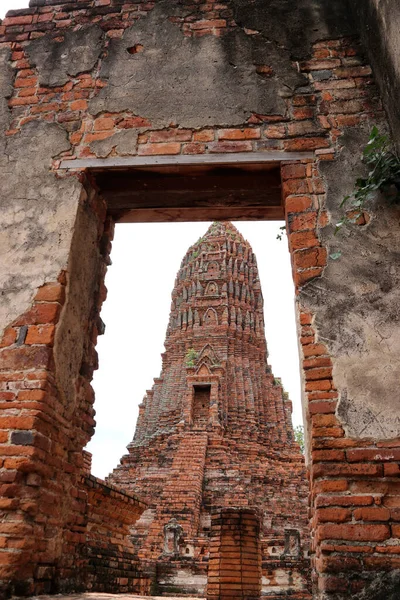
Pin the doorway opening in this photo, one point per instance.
(201, 406)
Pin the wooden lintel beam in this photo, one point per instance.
(185, 160)
(221, 213)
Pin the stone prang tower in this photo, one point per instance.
(214, 438)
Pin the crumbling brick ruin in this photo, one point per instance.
(122, 110)
(215, 432)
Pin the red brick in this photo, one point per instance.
(304, 100)
(303, 239)
(373, 454)
(306, 259)
(302, 144)
(228, 146)
(98, 136)
(40, 334)
(333, 485)
(304, 222)
(9, 337)
(320, 65)
(344, 72)
(297, 204)
(79, 105)
(295, 171)
(324, 420)
(377, 513)
(39, 314)
(327, 455)
(160, 148)
(314, 350)
(320, 373)
(30, 357)
(205, 135)
(351, 470)
(239, 134)
(275, 132)
(208, 24)
(171, 135)
(194, 148)
(18, 20)
(357, 532)
(317, 407)
(391, 470)
(104, 124)
(295, 186)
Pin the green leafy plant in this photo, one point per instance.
(383, 176)
(299, 437)
(191, 357)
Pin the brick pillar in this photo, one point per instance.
(234, 571)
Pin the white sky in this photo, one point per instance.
(6, 5)
(146, 258)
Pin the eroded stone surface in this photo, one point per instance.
(57, 61)
(124, 143)
(380, 26)
(295, 26)
(195, 82)
(38, 213)
(6, 88)
(357, 304)
(385, 587)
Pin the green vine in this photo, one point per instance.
(383, 176)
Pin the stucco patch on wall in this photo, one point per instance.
(357, 305)
(124, 142)
(38, 214)
(77, 53)
(6, 88)
(380, 27)
(193, 82)
(295, 26)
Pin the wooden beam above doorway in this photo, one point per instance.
(242, 186)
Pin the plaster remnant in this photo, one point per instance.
(295, 26)
(56, 61)
(195, 82)
(124, 142)
(38, 214)
(6, 89)
(357, 304)
(386, 586)
(380, 27)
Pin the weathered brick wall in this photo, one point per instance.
(111, 561)
(380, 26)
(314, 93)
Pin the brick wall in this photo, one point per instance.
(235, 556)
(112, 563)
